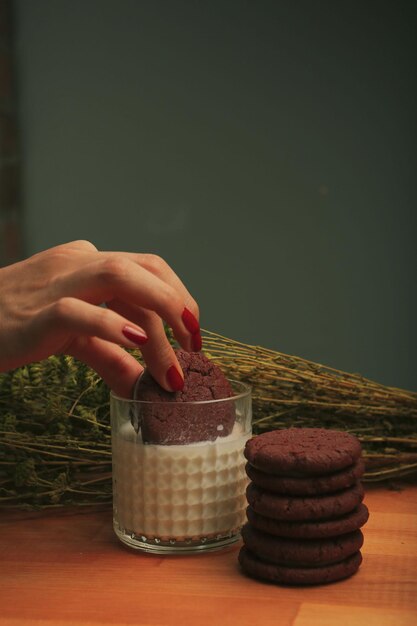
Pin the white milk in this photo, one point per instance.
(182, 491)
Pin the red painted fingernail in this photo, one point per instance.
(136, 336)
(190, 322)
(196, 342)
(174, 378)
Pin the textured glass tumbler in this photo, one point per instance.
(181, 498)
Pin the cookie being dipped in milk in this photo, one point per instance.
(172, 418)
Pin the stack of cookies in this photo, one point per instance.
(305, 506)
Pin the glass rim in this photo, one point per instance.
(247, 389)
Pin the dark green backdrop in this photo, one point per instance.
(265, 149)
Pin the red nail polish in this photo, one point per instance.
(196, 342)
(134, 335)
(174, 378)
(190, 322)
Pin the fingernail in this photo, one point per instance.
(196, 342)
(136, 336)
(174, 378)
(190, 322)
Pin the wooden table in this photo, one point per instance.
(69, 569)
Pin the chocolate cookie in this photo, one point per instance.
(303, 452)
(316, 485)
(168, 418)
(310, 529)
(300, 508)
(301, 552)
(257, 568)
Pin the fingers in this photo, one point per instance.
(160, 268)
(158, 353)
(141, 288)
(50, 306)
(190, 314)
(119, 277)
(119, 369)
(69, 318)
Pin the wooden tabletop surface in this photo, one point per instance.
(65, 569)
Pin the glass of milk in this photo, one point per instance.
(171, 499)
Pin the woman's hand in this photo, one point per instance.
(49, 305)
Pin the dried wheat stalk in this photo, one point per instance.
(55, 444)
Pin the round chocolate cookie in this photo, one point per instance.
(257, 568)
(316, 485)
(302, 452)
(310, 530)
(300, 508)
(168, 420)
(301, 552)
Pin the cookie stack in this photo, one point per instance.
(305, 506)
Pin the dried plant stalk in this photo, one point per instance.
(55, 444)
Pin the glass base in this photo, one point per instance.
(155, 545)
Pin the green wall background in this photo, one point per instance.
(267, 150)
